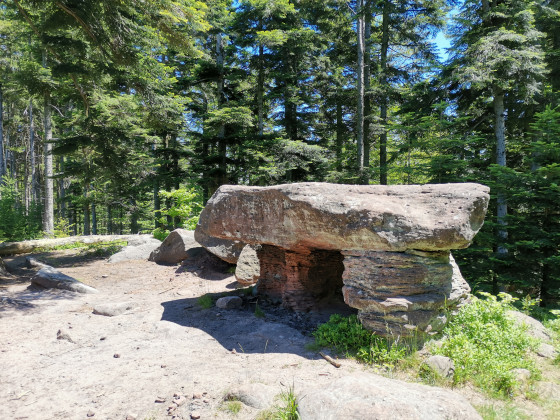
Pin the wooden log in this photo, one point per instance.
(330, 360)
(24, 247)
(51, 278)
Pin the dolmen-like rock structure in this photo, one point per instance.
(387, 247)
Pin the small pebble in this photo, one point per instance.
(160, 399)
(197, 396)
(102, 338)
(90, 413)
(116, 355)
(131, 416)
(180, 401)
(195, 415)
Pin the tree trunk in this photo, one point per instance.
(339, 130)
(260, 87)
(222, 148)
(500, 132)
(2, 154)
(48, 210)
(384, 100)
(109, 220)
(367, 88)
(360, 27)
(87, 225)
(93, 219)
(34, 181)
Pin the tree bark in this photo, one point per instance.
(384, 100)
(500, 130)
(367, 88)
(2, 154)
(48, 210)
(360, 27)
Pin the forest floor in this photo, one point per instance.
(167, 344)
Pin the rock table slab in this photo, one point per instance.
(387, 247)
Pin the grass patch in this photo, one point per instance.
(205, 301)
(286, 409)
(232, 407)
(508, 412)
(99, 249)
(259, 313)
(486, 345)
(347, 335)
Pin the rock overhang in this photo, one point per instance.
(431, 217)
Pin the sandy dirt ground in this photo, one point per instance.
(113, 367)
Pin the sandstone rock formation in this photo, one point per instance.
(365, 396)
(174, 248)
(389, 246)
(226, 249)
(248, 270)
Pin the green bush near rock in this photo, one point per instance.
(486, 345)
(348, 336)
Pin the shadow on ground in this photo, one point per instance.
(256, 327)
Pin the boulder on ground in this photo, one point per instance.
(229, 302)
(225, 249)
(535, 328)
(248, 270)
(365, 396)
(51, 278)
(137, 249)
(441, 365)
(174, 248)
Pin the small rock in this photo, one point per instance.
(114, 309)
(195, 415)
(233, 351)
(205, 400)
(163, 366)
(90, 413)
(116, 355)
(180, 400)
(522, 375)
(548, 390)
(160, 399)
(63, 335)
(229, 302)
(105, 276)
(547, 351)
(131, 416)
(197, 396)
(441, 365)
(102, 338)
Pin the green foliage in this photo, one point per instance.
(232, 407)
(347, 335)
(507, 412)
(183, 206)
(15, 225)
(259, 313)
(206, 301)
(486, 345)
(62, 228)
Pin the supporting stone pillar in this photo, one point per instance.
(299, 279)
(402, 293)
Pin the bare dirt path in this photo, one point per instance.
(167, 344)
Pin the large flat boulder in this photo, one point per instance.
(227, 250)
(347, 217)
(365, 396)
(174, 248)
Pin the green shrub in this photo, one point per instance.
(486, 345)
(15, 224)
(347, 335)
(183, 206)
(206, 301)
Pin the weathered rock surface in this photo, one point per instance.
(388, 245)
(398, 292)
(441, 365)
(547, 351)
(226, 249)
(248, 268)
(535, 328)
(51, 278)
(365, 396)
(138, 249)
(114, 309)
(229, 302)
(253, 394)
(347, 217)
(174, 248)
